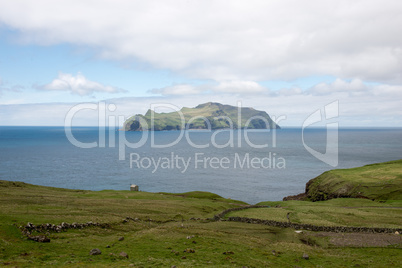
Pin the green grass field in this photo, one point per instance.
(167, 228)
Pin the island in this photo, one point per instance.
(209, 115)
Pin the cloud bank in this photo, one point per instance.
(360, 104)
(78, 84)
(233, 86)
(352, 88)
(257, 40)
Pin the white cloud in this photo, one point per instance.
(233, 87)
(389, 90)
(339, 85)
(356, 87)
(180, 89)
(288, 91)
(77, 85)
(255, 40)
(236, 86)
(250, 89)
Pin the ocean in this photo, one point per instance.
(262, 165)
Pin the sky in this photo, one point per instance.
(289, 58)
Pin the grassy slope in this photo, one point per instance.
(162, 240)
(382, 181)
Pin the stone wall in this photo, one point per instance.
(300, 226)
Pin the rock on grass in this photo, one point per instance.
(95, 251)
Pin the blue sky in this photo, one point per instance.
(31, 65)
(285, 57)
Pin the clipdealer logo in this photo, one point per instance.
(237, 138)
(329, 112)
(202, 161)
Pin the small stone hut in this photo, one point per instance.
(133, 187)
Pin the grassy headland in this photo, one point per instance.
(382, 181)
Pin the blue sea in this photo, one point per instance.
(263, 165)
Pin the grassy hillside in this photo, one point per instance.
(382, 181)
(217, 115)
(161, 230)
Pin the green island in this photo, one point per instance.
(45, 226)
(209, 115)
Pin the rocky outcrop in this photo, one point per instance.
(300, 197)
